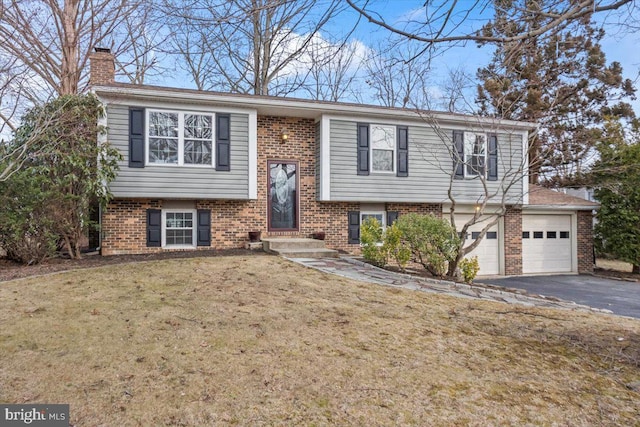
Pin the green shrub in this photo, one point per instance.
(470, 268)
(432, 241)
(26, 229)
(395, 247)
(57, 172)
(371, 235)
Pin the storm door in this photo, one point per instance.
(283, 196)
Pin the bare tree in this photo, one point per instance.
(10, 79)
(493, 194)
(45, 47)
(333, 69)
(493, 182)
(398, 75)
(53, 39)
(454, 89)
(446, 22)
(247, 46)
(140, 43)
(196, 46)
(14, 155)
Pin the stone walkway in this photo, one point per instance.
(358, 270)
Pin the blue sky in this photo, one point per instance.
(618, 46)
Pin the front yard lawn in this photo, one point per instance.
(258, 340)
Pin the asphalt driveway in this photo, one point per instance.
(620, 297)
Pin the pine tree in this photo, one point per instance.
(616, 176)
(560, 81)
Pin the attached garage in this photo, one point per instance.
(557, 233)
(547, 243)
(488, 252)
(551, 233)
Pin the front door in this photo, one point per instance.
(283, 195)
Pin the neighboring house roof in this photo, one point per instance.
(296, 107)
(540, 197)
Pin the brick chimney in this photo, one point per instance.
(102, 67)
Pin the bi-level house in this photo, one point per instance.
(201, 170)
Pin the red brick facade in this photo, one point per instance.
(419, 208)
(513, 242)
(585, 242)
(124, 227)
(102, 68)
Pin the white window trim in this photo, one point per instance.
(395, 149)
(194, 231)
(384, 220)
(467, 157)
(181, 114)
(383, 213)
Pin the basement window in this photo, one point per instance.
(179, 229)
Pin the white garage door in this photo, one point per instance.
(546, 244)
(488, 252)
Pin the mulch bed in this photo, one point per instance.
(603, 272)
(10, 270)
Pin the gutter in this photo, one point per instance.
(561, 207)
(298, 106)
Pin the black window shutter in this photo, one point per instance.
(403, 151)
(392, 216)
(458, 160)
(363, 150)
(204, 227)
(154, 228)
(493, 158)
(223, 142)
(354, 227)
(136, 137)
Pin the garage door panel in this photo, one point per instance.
(546, 244)
(488, 251)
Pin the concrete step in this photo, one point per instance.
(308, 253)
(296, 247)
(274, 244)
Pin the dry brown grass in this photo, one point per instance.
(261, 341)
(612, 264)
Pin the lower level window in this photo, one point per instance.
(179, 228)
(380, 216)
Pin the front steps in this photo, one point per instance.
(295, 247)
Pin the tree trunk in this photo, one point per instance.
(69, 73)
(636, 269)
(453, 266)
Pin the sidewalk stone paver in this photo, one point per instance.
(355, 269)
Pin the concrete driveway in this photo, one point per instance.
(620, 297)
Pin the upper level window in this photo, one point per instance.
(475, 153)
(180, 138)
(383, 148)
